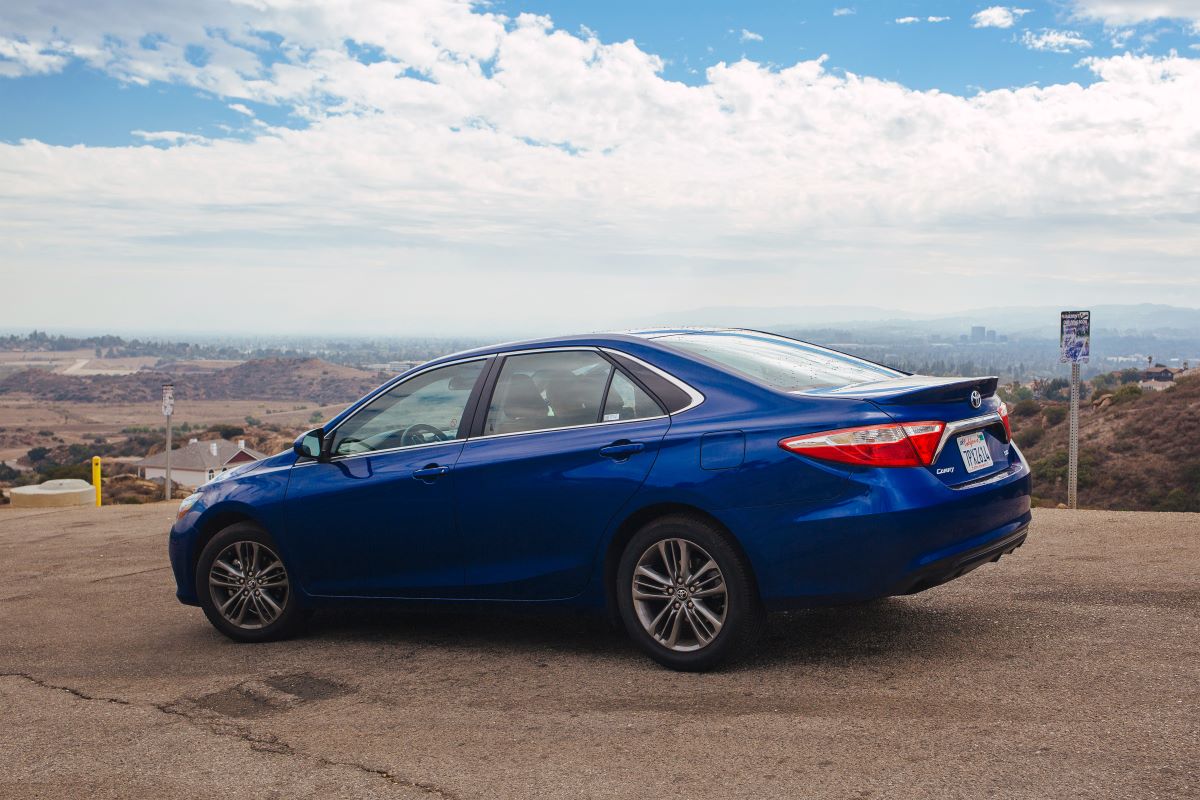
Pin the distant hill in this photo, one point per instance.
(308, 379)
(1142, 454)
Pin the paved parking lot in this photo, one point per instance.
(1071, 669)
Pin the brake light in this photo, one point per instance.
(910, 444)
(1004, 418)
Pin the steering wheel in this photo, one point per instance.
(422, 434)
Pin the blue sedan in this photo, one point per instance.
(683, 481)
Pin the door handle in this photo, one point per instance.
(430, 472)
(619, 451)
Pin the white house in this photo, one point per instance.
(198, 462)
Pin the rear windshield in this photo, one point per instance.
(780, 363)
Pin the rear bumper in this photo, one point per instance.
(955, 566)
(893, 532)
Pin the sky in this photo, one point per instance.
(446, 167)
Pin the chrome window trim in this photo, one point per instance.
(387, 387)
(470, 439)
(349, 456)
(959, 426)
(696, 396)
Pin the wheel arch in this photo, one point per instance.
(215, 521)
(644, 516)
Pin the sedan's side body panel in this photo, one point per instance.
(533, 507)
(399, 540)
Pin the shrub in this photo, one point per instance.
(1029, 436)
(1179, 499)
(1054, 415)
(229, 431)
(37, 454)
(1026, 408)
(1127, 393)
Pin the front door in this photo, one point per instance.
(566, 442)
(377, 519)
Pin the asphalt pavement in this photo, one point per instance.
(1069, 669)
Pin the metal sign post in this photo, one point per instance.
(168, 407)
(1074, 341)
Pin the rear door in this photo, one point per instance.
(565, 439)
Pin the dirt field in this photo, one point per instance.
(79, 422)
(1071, 669)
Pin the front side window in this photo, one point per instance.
(424, 409)
(779, 362)
(542, 391)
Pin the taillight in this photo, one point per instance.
(1004, 418)
(911, 444)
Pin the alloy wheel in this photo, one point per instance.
(679, 595)
(249, 585)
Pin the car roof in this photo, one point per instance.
(639, 336)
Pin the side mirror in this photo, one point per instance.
(308, 445)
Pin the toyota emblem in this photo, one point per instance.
(976, 399)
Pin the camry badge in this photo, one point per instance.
(976, 399)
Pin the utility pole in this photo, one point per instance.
(1074, 341)
(168, 407)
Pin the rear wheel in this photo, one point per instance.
(686, 595)
(244, 587)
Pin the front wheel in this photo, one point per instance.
(686, 595)
(244, 587)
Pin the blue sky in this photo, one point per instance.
(955, 54)
(588, 165)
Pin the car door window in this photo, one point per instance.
(627, 400)
(424, 409)
(543, 391)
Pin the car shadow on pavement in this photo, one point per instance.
(883, 629)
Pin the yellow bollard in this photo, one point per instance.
(96, 477)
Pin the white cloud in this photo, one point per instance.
(844, 12)
(998, 17)
(1130, 12)
(750, 36)
(566, 177)
(242, 108)
(937, 19)
(1120, 39)
(1055, 41)
(907, 20)
(169, 137)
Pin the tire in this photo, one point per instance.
(268, 610)
(707, 627)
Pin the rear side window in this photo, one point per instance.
(779, 362)
(543, 391)
(627, 400)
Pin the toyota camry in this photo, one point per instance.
(685, 482)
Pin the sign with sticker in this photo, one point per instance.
(1075, 336)
(168, 399)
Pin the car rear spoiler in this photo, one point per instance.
(913, 390)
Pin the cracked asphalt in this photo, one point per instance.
(1070, 669)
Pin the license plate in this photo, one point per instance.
(975, 452)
